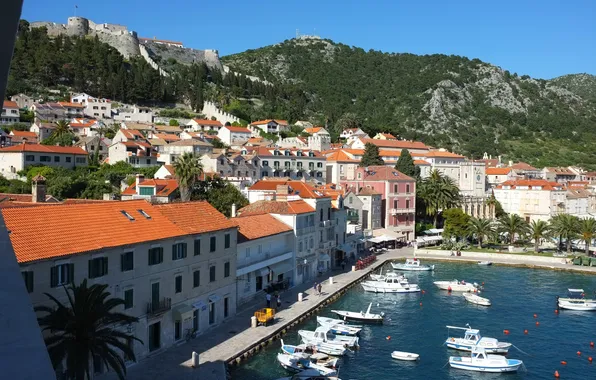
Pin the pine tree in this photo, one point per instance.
(371, 156)
(405, 164)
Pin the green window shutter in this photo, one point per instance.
(71, 273)
(53, 277)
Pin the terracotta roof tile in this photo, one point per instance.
(312, 130)
(78, 228)
(532, 184)
(237, 129)
(208, 122)
(278, 121)
(382, 173)
(276, 207)
(71, 105)
(23, 134)
(397, 144)
(165, 187)
(420, 162)
(9, 104)
(438, 153)
(498, 171)
(44, 149)
(195, 217)
(297, 188)
(166, 137)
(523, 166)
(340, 156)
(258, 226)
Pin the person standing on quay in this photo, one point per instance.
(315, 287)
(278, 301)
(319, 288)
(268, 298)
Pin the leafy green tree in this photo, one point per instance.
(480, 229)
(347, 121)
(587, 230)
(566, 227)
(456, 223)
(539, 229)
(85, 330)
(405, 164)
(371, 156)
(188, 168)
(512, 225)
(219, 193)
(174, 123)
(65, 139)
(437, 192)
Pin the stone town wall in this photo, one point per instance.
(211, 110)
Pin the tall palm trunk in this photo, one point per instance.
(536, 244)
(480, 243)
(435, 219)
(568, 245)
(587, 247)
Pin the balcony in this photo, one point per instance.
(159, 307)
(327, 223)
(305, 230)
(395, 211)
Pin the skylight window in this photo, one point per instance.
(147, 216)
(127, 215)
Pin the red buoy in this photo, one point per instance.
(389, 337)
(506, 332)
(557, 374)
(420, 303)
(556, 311)
(449, 289)
(591, 344)
(525, 331)
(590, 359)
(537, 323)
(579, 353)
(535, 315)
(483, 283)
(563, 362)
(423, 292)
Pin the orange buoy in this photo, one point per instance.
(525, 331)
(389, 337)
(449, 289)
(590, 359)
(591, 344)
(557, 374)
(535, 315)
(483, 283)
(563, 362)
(579, 353)
(420, 303)
(423, 292)
(506, 332)
(537, 323)
(556, 311)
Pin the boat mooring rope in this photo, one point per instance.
(445, 364)
(523, 352)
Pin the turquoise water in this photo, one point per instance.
(516, 293)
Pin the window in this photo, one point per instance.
(226, 306)
(197, 247)
(178, 251)
(359, 175)
(68, 159)
(196, 278)
(98, 267)
(212, 273)
(56, 158)
(80, 160)
(395, 189)
(408, 186)
(321, 214)
(329, 213)
(227, 241)
(407, 203)
(155, 255)
(300, 247)
(395, 204)
(178, 284)
(265, 163)
(212, 244)
(227, 269)
(28, 278)
(247, 252)
(29, 158)
(146, 190)
(177, 330)
(128, 298)
(127, 261)
(319, 165)
(45, 158)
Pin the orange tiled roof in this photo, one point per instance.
(166, 136)
(27, 134)
(564, 171)
(208, 122)
(312, 130)
(195, 217)
(577, 184)
(297, 188)
(276, 207)
(438, 153)
(278, 121)
(82, 123)
(340, 156)
(131, 133)
(396, 144)
(99, 226)
(237, 129)
(71, 105)
(9, 104)
(258, 226)
(165, 187)
(522, 166)
(387, 135)
(498, 171)
(44, 149)
(531, 183)
(420, 162)
(382, 173)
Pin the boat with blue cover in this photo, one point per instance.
(480, 361)
(472, 339)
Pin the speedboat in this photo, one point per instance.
(472, 339)
(361, 316)
(380, 276)
(310, 374)
(323, 335)
(576, 301)
(297, 364)
(393, 283)
(486, 263)
(457, 286)
(476, 299)
(412, 264)
(480, 361)
(338, 327)
(400, 355)
(306, 350)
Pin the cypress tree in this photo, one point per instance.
(405, 164)
(371, 156)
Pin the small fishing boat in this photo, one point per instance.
(486, 263)
(338, 327)
(393, 283)
(476, 299)
(310, 374)
(400, 355)
(457, 286)
(480, 361)
(361, 316)
(380, 276)
(413, 265)
(323, 335)
(306, 350)
(576, 301)
(297, 364)
(472, 339)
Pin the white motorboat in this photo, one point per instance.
(457, 286)
(576, 301)
(480, 361)
(380, 276)
(338, 327)
(297, 364)
(310, 374)
(361, 316)
(393, 283)
(306, 350)
(412, 264)
(323, 335)
(476, 299)
(486, 263)
(400, 355)
(472, 339)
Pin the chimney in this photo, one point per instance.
(281, 192)
(140, 178)
(38, 190)
(233, 215)
(510, 163)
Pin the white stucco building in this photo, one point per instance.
(233, 136)
(10, 113)
(17, 157)
(535, 199)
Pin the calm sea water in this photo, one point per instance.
(516, 293)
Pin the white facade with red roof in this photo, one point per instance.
(98, 108)
(274, 126)
(234, 136)
(137, 153)
(17, 157)
(153, 190)
(292, 163)
(204, 125)
(10, 113)
(532, 199)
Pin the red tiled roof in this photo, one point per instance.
(276, 207)
(396, 144)
(420, 162)
(387, 135)
(71, 105)
(312, 130)
(208, 122)
(131, 133)
(165, 187)
(564, 171)
(9, 104)
(531, 183)
(195, 217)
(82, 123)
(23, 134)
(44, 149)
(523, 166)
(278, 121)
(166, 136)
(382, 173)
(297, 188)
(340, 156)
(237, 129)
(258, 226)
(498, 171)
(99, 225)
(438, 153)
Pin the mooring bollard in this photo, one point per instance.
(353, 268)
(253, 321)
(330, 280)
(195, 359)
(300, 297)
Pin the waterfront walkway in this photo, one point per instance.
(232, 338)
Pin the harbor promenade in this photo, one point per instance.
(235, 336)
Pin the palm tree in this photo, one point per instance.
(512, 224)
(61, 129)
(85, 329)
(438, 192)
(566, 227)
(480, 228)
(187, 168)
(538, 230)
(587, 229)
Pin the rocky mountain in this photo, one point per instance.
(448, 101)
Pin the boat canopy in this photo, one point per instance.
(575, 290)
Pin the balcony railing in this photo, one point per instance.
(402, 211)
(159, 307)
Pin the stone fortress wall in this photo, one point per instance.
(210, 110)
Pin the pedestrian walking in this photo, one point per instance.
(343, 264)
(268, 298)
(315, 286)
(319, 288)
(278, 302)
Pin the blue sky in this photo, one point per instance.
(542, 38)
